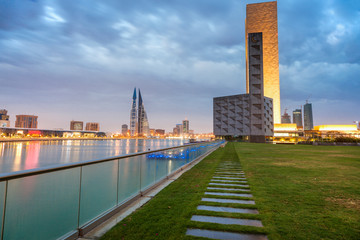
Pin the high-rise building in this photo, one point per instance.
(262, 17)
(185, 126)
(124, 129)
(143, 123)
(179, 128)
(4, 118)
(92, 126)
(297, 118)
(26, 121)
(308, 117)
(285, 118)
(76, 125)
(133, 116)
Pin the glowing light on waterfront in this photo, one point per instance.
(285, 127)
(336, 128)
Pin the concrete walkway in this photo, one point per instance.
(229, 181)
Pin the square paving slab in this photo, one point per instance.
(230, 178)
(226, 181)
(229, 194)
(228, 185)
(227, 220)
(224, 235)
(222, 200)
(229, 189)
(227, 209)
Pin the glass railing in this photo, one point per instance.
(55, 203)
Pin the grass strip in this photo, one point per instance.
(305, 192)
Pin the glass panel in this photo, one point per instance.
(148, 167)
(129, 178)
(2, 198)
(43, 206)
(161, 165)
(98, 189)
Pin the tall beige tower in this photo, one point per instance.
(262, 17)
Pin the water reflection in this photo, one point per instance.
(18, 156)
(17, 160)
(32, 156)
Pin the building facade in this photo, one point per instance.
(26, 121)
(159, 132)
(185, 126)
(262, 17)
(143, 123)
(285, 118)
(92, 126)
(308, 117)
(76, 125)
(297, 118)
(133, 116)
(124, 129)
(4, 118)
(247, 115)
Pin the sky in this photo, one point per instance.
(66, 60)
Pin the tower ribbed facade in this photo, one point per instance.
(262, 17)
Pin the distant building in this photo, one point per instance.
(92, 126)
(297, 118)
(285, 118)
(143, 123)
(308, 117)
(175, 131)
(133, 116)
(185, 126)
(179, 128)
(124, 129)
(26, 121)
(76, 125)
(159, 132)
(4, 118)
(152, 132)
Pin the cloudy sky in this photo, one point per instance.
(80, 60)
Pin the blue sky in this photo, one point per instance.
(80, 60)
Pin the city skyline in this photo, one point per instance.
(77, 62)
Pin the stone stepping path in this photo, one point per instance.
(227, 176)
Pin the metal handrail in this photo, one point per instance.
(42, 170)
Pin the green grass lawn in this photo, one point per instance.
(305, 192)
(301, 192)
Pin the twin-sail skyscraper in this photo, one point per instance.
(139, 124)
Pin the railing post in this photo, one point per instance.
(4, 210)
(79, 205)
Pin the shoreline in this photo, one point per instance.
(64, 139)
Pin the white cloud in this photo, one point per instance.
(335, 36)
